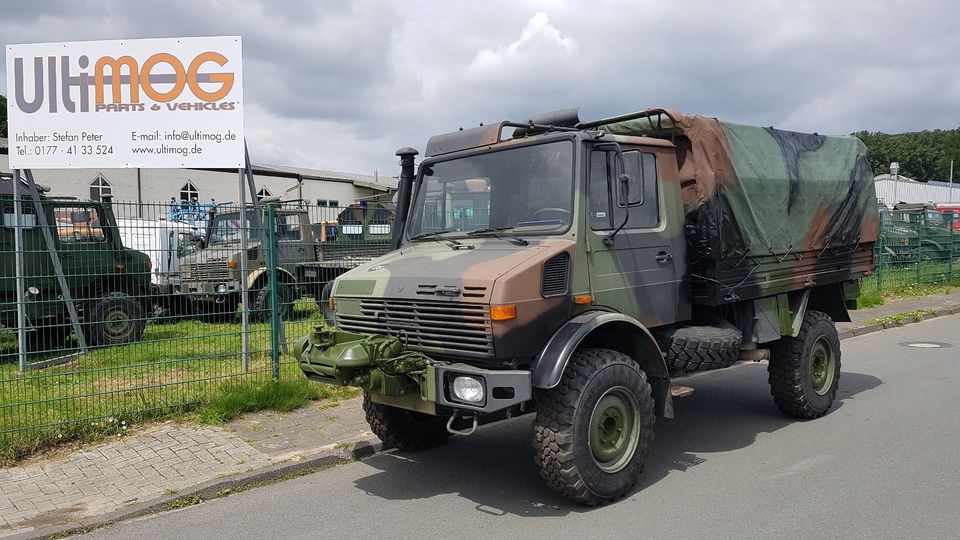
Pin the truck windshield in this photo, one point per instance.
(529, 189)
(226, 228)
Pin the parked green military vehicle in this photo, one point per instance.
(109, 282)
(917, 232)
(308, 256)
(602, 259)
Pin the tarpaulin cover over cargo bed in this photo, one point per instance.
(753, 195)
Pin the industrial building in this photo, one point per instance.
(894, 189)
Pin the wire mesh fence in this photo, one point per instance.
(917, 247)
(172, 301)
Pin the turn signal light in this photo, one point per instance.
(232, 265)
(330, 302)
(582, 299)
(119, 266)
(503, 313)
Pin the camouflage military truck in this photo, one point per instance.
(109, 282)
(308, 257)
(600, 259)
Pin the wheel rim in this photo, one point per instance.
(614, 429)
(823, 366)
(117, 324)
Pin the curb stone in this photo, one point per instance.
(321, 460)
(206, 490)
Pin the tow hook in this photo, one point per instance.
(464, 432)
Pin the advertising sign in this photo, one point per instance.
(152, 103)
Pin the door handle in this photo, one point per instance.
(664, 257)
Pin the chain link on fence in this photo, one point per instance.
(174, 301)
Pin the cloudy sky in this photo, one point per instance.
(341, 85)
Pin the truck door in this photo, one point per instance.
(637, 275)
(291, 248)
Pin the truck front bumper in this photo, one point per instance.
(397, 376)
(210, 291)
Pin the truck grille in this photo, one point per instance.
(208, 272)
(460, 329)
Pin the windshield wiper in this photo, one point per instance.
(434, 235)
(498, 232)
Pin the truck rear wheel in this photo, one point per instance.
(261, 305)
(593, 431)
(402, 429)
(115, 319)
(804, 371)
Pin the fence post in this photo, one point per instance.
(274, 298)
(919, 225)
(951, 223)
(879, 256)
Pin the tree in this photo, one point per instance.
(3, 116)
(923, 155)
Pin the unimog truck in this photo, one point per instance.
(109, 283)
(306, 262)
(598, 261)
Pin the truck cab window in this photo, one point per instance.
(607, 205)
(78, 224)
(288, 227)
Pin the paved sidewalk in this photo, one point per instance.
(164, 461)
(156, 465)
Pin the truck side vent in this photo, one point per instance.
(556, 275)
(474, 292)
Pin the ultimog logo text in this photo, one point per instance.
(120, 84)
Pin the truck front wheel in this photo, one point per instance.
(115, 319)
(593, 431)
(402, 429)
(804, 371)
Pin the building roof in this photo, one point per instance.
(384, 184)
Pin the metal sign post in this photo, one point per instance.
(21, 290)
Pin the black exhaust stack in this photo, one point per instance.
(404, 191)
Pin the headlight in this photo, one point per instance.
(468, 389)
(222, 288)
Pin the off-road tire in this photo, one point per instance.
(699, 348)
(561, 441)
(114, 319)
(791, 383)
(402, 429)
(261, 304)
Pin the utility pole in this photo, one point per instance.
(895, 175)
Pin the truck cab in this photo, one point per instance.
(109, 282)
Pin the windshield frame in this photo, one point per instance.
(252, 234)
(501, 147)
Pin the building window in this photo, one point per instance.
(100, 188)
(333, 203)
(321, 202)
(189, 192)
(263, 193)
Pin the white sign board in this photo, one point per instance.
(153, 103)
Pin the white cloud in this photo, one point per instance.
(342, 85)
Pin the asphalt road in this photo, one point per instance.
(883, 464)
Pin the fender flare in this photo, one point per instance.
(614, 331)
(283, 275)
